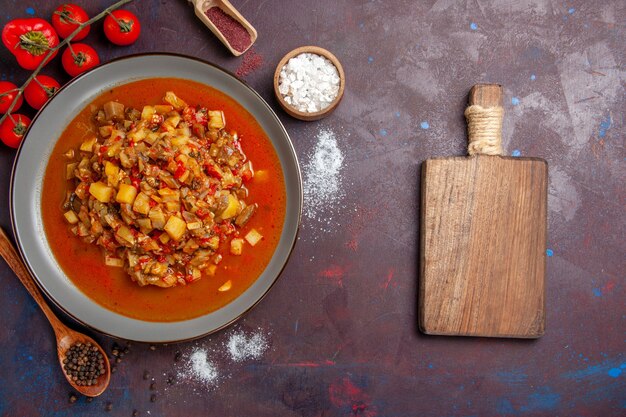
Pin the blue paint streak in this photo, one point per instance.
(514, 101)
(397, 114)
(604, 126)
(424, 125)
(594, 371)
(549, 252)
(430, 366)
(597, 292)
(504, 407)
(516, 153)
(30, 11)
(370, 59)
(533, 77)
(571, 10)
(543, 399)
(383, 132)
(473, 26)
(614, 372)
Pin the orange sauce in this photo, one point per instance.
(111, 287)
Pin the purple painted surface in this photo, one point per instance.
(341, 322)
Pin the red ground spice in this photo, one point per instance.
(251, 62)
(236, 35)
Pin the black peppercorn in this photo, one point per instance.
(80, 363)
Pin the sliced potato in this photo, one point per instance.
(175, 227)
(71, 217)
(147, 113)
(236, 246)
(232, 208)
(253, 237)
(87, 146)
(126, 194)
(174, 100)
(216, 119)
(102, 192)
(113, 261)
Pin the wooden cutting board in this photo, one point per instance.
(483, 235)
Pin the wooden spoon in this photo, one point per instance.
(201, 6)
(64, 335)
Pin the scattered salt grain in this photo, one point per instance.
(199, 368)
(309, 82)
(323, 190)
(241, 347)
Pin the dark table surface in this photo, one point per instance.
(341, 321)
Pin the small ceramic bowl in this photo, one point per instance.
(300, 114)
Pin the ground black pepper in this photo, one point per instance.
(108, 407)
(135, 413)
(153, 398)
(146, 375)
(83, 364)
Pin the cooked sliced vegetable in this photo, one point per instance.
(101, 191)
(226, 286)
(126, 194)
(236, 246)
(113, 111)
(160, 189)
(113, 261)
(87, 146)
(175, 227)
(174, 100)
(253, 237)
(71, 217)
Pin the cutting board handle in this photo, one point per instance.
(484, 120)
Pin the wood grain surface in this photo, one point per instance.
(483, 246)
(484, 222)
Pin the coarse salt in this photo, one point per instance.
(242, 347)
(322, 177)
(309, 82)
(198, 367)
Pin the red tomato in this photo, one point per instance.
(66, 19)
(40, 89)
(122, 27)
(78, 58)
(13, 128)
(7, 98)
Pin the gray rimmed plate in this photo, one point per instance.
(30, 165)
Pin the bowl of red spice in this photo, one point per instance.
(230, 27)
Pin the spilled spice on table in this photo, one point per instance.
(252, 61)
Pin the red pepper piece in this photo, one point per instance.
(29, 40)
(212, 171)
(180, 170)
